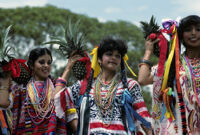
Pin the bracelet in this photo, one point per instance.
(60, 81)
(146, 62)
(143, 64)
(60, 84)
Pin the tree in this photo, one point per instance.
(33, 25)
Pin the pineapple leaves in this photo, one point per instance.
(71, 40)
(6, 50)
(150, 27)
(6, 37)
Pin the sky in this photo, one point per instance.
(132, 11)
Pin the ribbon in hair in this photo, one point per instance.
(125, 61)
(94, 64)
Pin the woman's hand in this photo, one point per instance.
(70, 64)
(72, 59)
(144, 74)
(149, 43)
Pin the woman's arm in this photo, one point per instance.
(5, 83)
(144, 76)
(73, 125)
(61, 91)
(66, 72)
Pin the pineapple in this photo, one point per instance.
(6, 56)
(24, 75)
(151, 27)
(73, 40)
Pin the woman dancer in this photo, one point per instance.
(185, 105)
(110, 98)
(33, 104)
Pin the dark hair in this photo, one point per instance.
(185, 22)
(35, 54)
(110, 44)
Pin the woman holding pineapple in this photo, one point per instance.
(176, 108)
(33, 104)
(110, 100)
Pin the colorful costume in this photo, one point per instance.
(106, 114)
(5, 122)
(33, 109)
(190, 86)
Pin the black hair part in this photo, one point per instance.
(35, 54)
(185, 22)
(110, 44)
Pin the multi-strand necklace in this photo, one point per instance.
(104, 98)
(41, 99)
(193, 72)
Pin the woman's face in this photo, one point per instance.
(110, 60)
(42, 67)
(191, 36)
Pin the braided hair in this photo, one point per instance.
(111, 43)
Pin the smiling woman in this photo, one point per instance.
(32, 104)
(111, 103)
(176, 106)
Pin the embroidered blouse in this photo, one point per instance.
(26, 120)
(190, 99)
(108, 121)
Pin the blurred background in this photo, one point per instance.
(34, 21)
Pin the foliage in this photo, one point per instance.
(33, 26)
(6, 53)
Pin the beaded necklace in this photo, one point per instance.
(41, 100)
(193, 72)
(105, 102)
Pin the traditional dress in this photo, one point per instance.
(34, 111)
(6, 119)
(190, 87)
(106, 115)
(5, 122)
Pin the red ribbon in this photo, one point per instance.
(63, 100)
(13, 66)
(177, 62)
(88, 69)
(163, 52)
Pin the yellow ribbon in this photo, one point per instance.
(169, 61)
(94, 64)
(167, 68)
(125, 60)
(96, 67)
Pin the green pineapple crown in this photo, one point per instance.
(72, 40)
(5, 48)
(151, 27)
